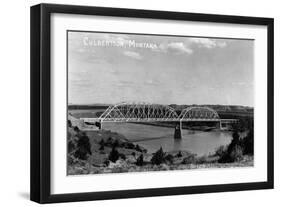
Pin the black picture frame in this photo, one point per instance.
(41, 102)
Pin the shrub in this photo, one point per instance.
(202, 160)
(83, 147)
(130, 145)
(113, 155)
(70, 146)
(101, 143)
(101, 147)
(158, 157)
(122, 144)
(70, 160)
(248, 143)
(69, 135)
(140, 160)
(243, 124)
(238, 147)
(109, 142)
(169, 158)
(221, 150)
(236, 154)
(122, 156)
(189, 159)
(179, 154)
(115, 144)
(137, 148)
(224, 158)
(233, 151)
(234, 142)
(106, 162)
(69, 123)
(76, 129)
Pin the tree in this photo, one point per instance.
(109, 142)
(115, 144)
(248, 143)
(122, 156)
(234, 142)
(69, 123)
(133, 154)
(76, 129)
(236, 154)
(234, 150)
(169, 158)
(101, 144)
(113, 155)
(83, 147)
(70, 146)
(179, 154)
(220, 151)
(158, 157)
(137, 148)
(140, 160)
(101, 147)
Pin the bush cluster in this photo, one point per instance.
(158, 157)
(113, 155)
(237, 148)
(161, 157)
(140, 161)
(83, 147)
(190, 159)
(78, 145)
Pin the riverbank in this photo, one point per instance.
(110, 152)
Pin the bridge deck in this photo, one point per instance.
(153, 120)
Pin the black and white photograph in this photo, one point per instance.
(140, 103)
(150, 102)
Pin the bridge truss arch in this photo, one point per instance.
(199, 113)
(125, 112)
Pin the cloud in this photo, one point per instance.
(207, 42)
(189, 86)
(221, 44)
(242, 84)
(151, 82)
(133, 55)
(178, 47)
(189, 44)
(114, 37)
(124, 84)
(113, 71)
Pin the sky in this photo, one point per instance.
(109, 68)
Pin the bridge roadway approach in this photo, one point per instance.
(143, 112)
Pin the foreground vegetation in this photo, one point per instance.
(109, 152)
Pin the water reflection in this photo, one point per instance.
(177, 144)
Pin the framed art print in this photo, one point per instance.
(132, 103)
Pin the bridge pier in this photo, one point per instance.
(177, 134)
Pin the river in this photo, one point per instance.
(154, 137)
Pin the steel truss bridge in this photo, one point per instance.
(144, 112)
